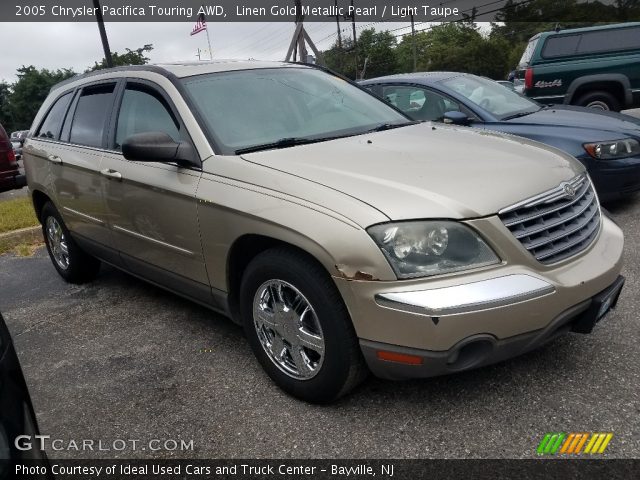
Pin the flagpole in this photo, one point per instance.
(209, 42)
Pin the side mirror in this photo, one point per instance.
(159, 147)
(456, 118)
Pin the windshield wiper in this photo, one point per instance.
(293, 141)
(389, 126)
(518, 115)
(282, 143)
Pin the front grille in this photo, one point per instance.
(555, 225)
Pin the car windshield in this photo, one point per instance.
(491, 96)
(251, 108)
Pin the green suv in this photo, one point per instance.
(596, 67)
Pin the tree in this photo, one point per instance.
(132, 57)
(377, 49)
(341, 59)
(6, 115)
(31, 89)
(404, 52)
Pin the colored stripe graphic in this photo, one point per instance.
(572, 443)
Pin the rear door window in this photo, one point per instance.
(598, 41)
(610, 40)
(50, 127)
(91, 114)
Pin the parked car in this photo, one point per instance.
(606, 143)
(506, 84)
(341, 234)
(17, 416)
(10, 176)
(16, 145)
(17, 141)
(597, 67)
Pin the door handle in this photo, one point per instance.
(107, 172)
(55, 159)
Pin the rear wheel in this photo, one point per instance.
(298, 326)
(599, 100)
(71, 262)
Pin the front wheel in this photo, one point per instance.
(71, 262)
(298, 326)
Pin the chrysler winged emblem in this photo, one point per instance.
(569, 190)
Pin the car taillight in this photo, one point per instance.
(528, 78)
(8, 158)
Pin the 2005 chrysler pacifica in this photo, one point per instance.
(343, 236)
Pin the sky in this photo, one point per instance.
(77, 45)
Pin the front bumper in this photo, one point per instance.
(614, 179)
(397, 363)
(519, 303)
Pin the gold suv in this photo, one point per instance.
(344, 237)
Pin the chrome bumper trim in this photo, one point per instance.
(496, 292)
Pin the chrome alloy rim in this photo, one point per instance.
(58, 243)
(598, 105)
(288, 329)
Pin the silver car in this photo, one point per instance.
(344, 237)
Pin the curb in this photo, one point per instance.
(24, 235)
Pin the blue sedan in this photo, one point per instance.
(607, 143)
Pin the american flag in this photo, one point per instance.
(200, 25)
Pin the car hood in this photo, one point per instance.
(583, 118)
(427, 171)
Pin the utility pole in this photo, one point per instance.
(338, 25)
(302, 48)
(198, 55)
(413, 44)
(355, 40)
(103, 34)
(364, 69)
(300, 36)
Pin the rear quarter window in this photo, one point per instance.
(560, 46)
(50, 127)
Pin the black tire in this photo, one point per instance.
(602, 98)
(343, 366)
(82, 267)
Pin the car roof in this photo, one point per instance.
(569, 31)
(417, 77)
(187, 69)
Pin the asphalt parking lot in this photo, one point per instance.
(120, 359)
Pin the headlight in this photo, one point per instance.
(627, 147)
(420, 249)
